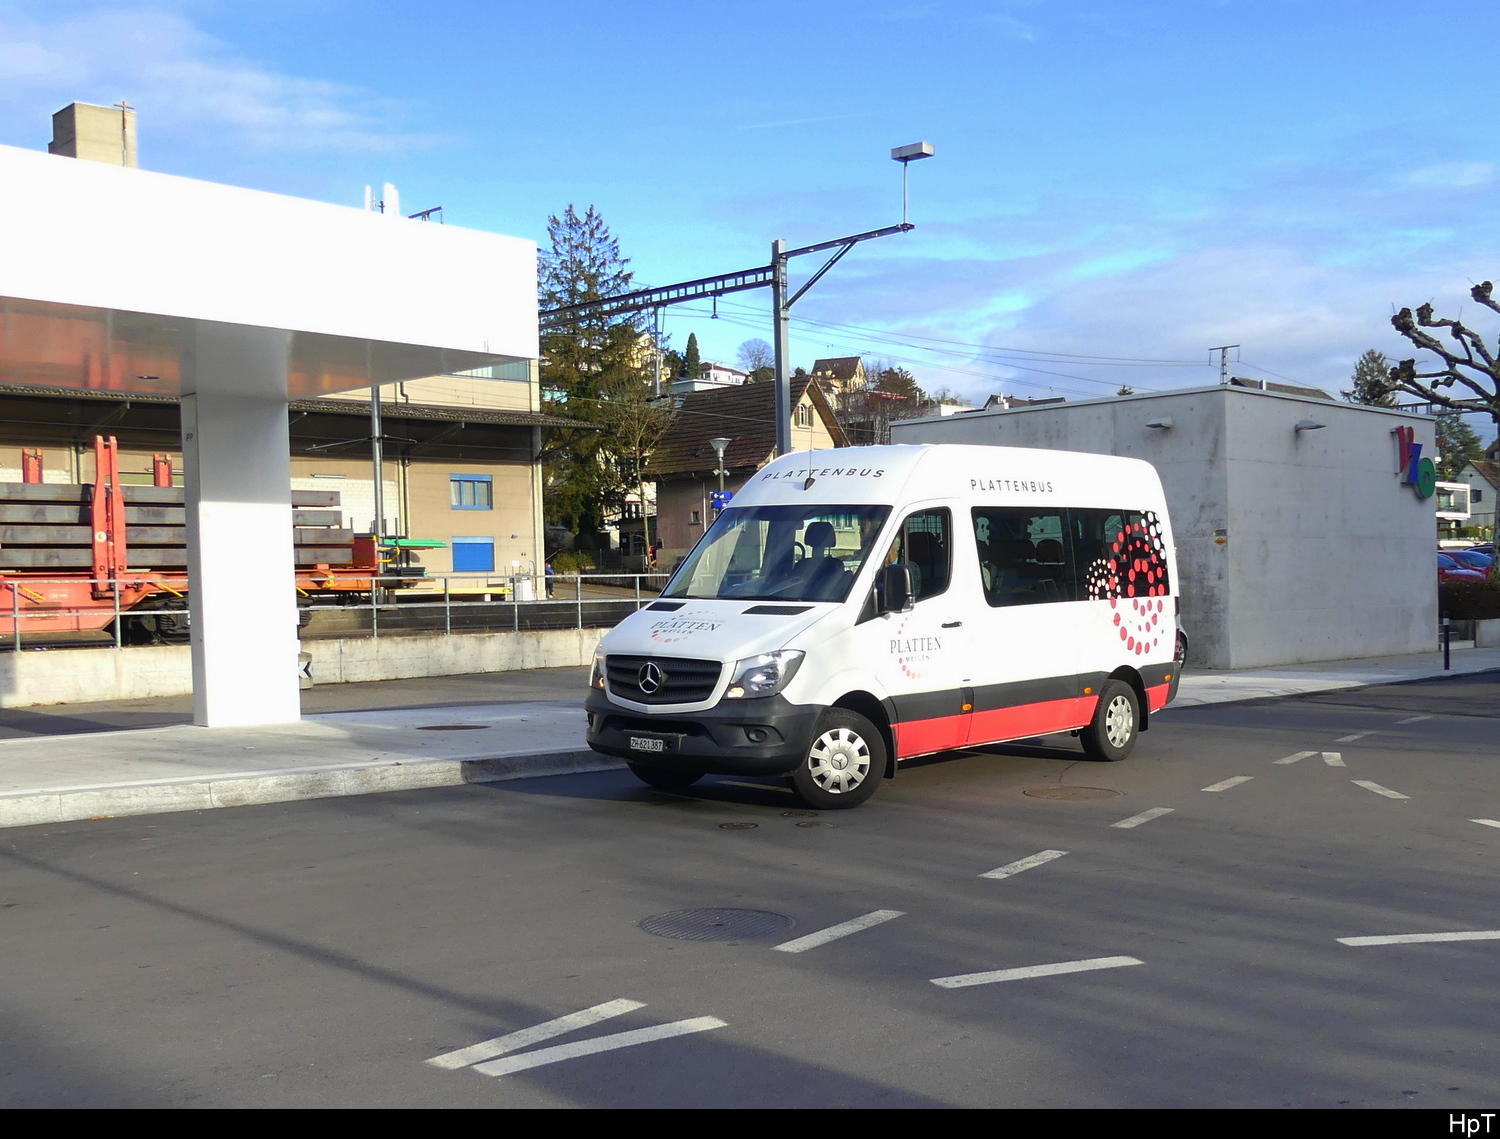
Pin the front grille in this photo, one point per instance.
(683, 681)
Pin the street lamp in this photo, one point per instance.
(906, 155)
(718, 444)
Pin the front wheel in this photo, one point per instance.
(663, 777)
(1112, 734)
(844, 764)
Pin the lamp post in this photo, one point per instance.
(718, 443)
(906, 155)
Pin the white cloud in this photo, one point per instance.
(1453, 174)
(192, 86)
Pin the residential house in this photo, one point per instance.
(1483, 478)
(711, 377)
(684, 464)
(840, 375)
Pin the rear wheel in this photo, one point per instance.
(844, 764)
(664, 777)
(1112, 734)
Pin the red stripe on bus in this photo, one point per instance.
(920, 737)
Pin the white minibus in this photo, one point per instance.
(854, 608)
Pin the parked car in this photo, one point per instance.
(1475, 559)
(1450, 569)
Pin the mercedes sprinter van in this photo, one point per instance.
(854, 608)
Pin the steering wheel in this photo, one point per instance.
(799, 552)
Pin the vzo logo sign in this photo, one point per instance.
(1414, 470)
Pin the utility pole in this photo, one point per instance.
(1223, 351)
(377, 457)
(125, 109)
(781, 318)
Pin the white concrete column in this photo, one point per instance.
(241, 570)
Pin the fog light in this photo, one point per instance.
(756, 735)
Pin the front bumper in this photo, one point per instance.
(766, 736)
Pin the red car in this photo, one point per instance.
(1451, 569)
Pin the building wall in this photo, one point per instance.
(1291, 546)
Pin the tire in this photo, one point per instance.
(845, 762)
(665, 778)
(1116, 726)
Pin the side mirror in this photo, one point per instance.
(894, 592)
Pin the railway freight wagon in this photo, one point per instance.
(76, 558)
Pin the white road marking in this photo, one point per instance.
(1334, 759)
(834, 932)
(521, 1063)
(1349, 739)
(1021, 864)
(1413, 719)
(1486, 822)
(965, 980)
(1417, 938)
(1143, 817)
(1226, 784)
(1298, 758)
(1378, 789)
(526, 1037)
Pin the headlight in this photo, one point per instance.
(764, 675)
(596, 674)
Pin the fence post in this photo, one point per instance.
(447, 610)
(15, 613)
(375, 608)
(578, 592)
(115, 584)
(637, 593)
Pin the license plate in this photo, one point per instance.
(646, 743)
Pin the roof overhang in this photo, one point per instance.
(109, 271)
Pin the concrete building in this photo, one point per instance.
(237, 303)
(1296, 538)
(684, 463)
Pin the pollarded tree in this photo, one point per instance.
(1468, 379)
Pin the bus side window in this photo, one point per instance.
(1024, 556)
(924, 544)
(1119, 553)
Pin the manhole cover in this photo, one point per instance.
(816, 824)
(738, 826)
(799, 814)
(452, 727)
(716, 925)
(1070, 793)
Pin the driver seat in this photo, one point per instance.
(820, 572)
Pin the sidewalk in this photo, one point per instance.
(47, 779)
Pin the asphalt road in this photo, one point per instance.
(319, 953)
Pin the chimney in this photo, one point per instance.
(100, 134)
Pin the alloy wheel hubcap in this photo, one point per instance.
(1119, 722)
(839, 761)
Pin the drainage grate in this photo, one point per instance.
(817, 824)
(738, 826)
(716, 925)
(799, 814)
(1070, 793)
(452, 727)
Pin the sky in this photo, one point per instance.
(1119, 185)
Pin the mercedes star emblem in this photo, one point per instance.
(650, 677)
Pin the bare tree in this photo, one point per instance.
(1469, 363)
(756, 354)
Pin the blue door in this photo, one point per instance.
(473, 555)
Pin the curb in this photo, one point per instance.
(161, 797)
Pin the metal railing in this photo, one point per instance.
(448, 603)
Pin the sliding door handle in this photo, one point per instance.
(952, 624)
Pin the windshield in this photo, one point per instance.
(780, 553)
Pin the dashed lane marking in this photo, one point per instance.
(506, 1065)
(834, 932)
(1021, 864)
(966, 980)
(1334, 759)
(512, 1041)
(1378, 789)
(1486, 822)
(1413, 719)
(1418, 938)
(1298, 758)
(1143, 817)
(1349, 739)
(1226, 784)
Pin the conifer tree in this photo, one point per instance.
(1372, 381)
(692, 364)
